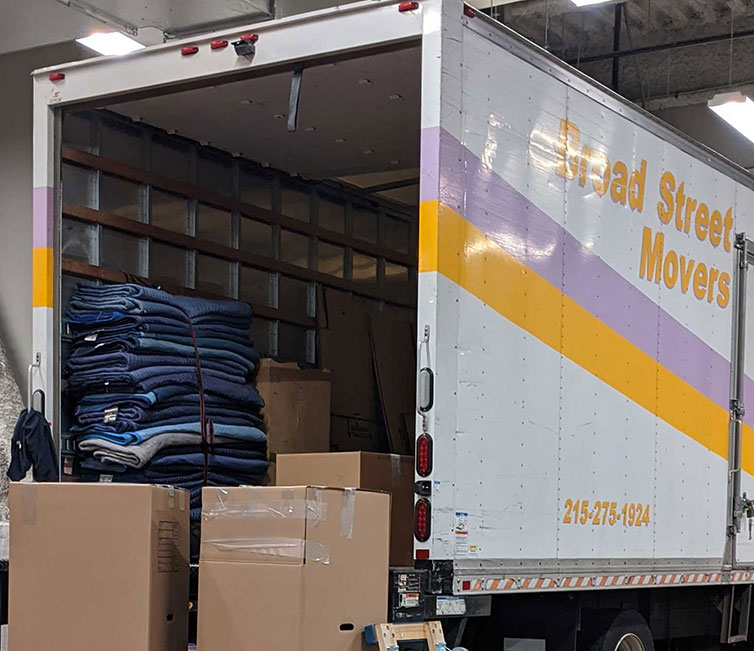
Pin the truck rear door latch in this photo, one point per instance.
(745, 508)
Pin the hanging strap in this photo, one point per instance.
(207, 427)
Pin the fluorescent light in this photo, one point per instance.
(586, 3)
(110, 43)
(737, 110)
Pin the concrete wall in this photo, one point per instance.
(15, 198)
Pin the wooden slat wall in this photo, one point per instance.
(216, 200)
(222, 202)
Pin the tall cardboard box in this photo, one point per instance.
(382, 472)
(296, 407)
(292, 568)
(98, 566)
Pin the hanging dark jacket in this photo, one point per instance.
(32, 446)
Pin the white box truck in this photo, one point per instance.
(585, 460)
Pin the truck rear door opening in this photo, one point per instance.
(310, 216)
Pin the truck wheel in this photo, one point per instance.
(625, 632)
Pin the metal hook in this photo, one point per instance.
(41, 401)
(37, 363)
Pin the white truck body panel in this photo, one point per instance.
(569, 370)
(581, 413)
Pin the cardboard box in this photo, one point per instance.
(98, 566)
(291, 569)
(353, 434)
(297, 407)
(383, 472)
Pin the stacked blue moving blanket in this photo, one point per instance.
(133, 377)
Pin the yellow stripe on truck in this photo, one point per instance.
(42, 274)
(462, 253)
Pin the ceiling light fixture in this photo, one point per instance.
(586, 3)
(310, 129)
(737, 110)
(395, 96)
(110, 43)
(339, 140)
(365, 82)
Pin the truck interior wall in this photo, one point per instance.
(316, 228)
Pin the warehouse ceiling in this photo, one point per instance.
(675, 54)
(582, 35)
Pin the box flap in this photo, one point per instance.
(261, 524)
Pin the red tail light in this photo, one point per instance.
(56, 76)
(250, 38)
(189, 50)
(422, 520)
(424, 455)
(469, 11)
(408, 6)
(218, 45)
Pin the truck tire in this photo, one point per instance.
(626, 631)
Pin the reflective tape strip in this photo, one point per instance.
(512, 584)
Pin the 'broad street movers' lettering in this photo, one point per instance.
(677, 210)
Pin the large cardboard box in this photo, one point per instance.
(382, 472)
(291, 568)
(98, 566)
(297, 407)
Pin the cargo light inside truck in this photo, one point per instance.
(586, 3)
(110, 43)
(737, 110)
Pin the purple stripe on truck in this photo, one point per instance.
(445, 186)
(526, 232)
(42, 209)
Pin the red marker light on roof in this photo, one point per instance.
(56, 76)
(469, 11)
(422, 520)
(218, 45)
(191, 49)
(408, 6)
(422, 554)
(424, 455)
(251, 38)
